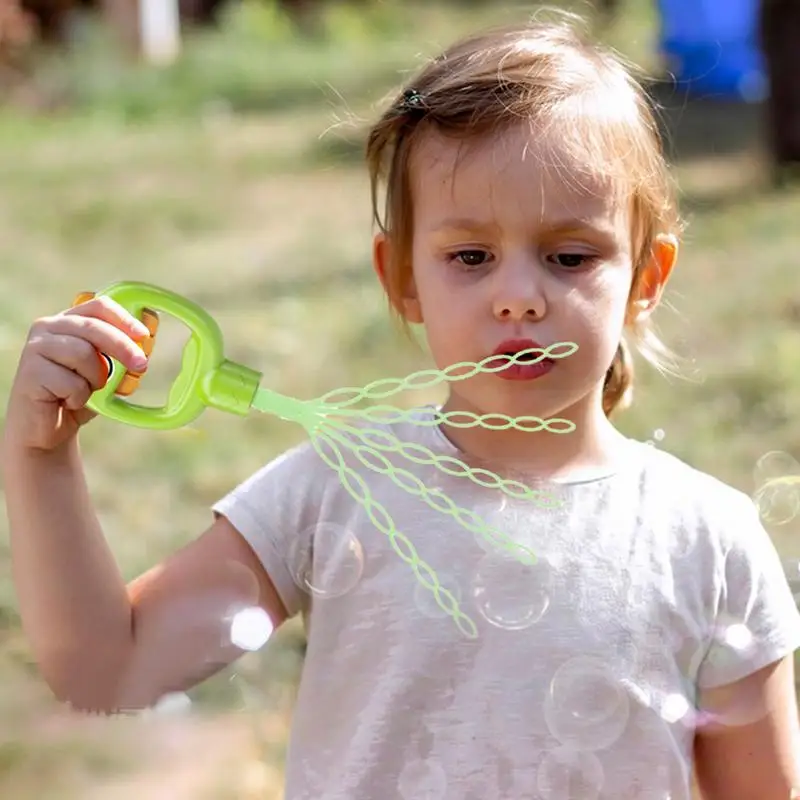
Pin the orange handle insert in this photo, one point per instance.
(130, 382)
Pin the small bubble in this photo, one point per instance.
(425, 599)
(754, 87)
(587, 707)
(729, 644)
(777, 487)
(567, 773)
(172, 703)
(737, 637)
(509, 594)
(778, 502)
(422, 778)
(251, 628)
(674, 708)
(329, 562)
(775, 464)
(658, 434)
(499, 519)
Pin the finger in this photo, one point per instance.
(79, 355)
(112, 312)
(104, 336)
(84, 415)
(58, 383)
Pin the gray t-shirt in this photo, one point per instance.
(574, 677)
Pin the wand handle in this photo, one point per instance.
(205, 379)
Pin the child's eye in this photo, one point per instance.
(571, 260)
(470, 258)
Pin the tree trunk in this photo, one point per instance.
(780, 41)
(203, 13)
(122, 16)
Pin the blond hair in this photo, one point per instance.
(542, 73)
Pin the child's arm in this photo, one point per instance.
(100, 645)
(752, 754)
(747, 739)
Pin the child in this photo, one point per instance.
(527, 204)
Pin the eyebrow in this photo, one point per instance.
(462, 224)
(562, 226)
(549, 227)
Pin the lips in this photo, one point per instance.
(526, 367)
(510, 347)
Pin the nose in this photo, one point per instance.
(518, 293)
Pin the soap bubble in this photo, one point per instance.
(737, 637)
(675, 707)
(498, 530)
(777, 481)
(586, 706)
(172, 703)
(251, 628)
(733, 637)
(569, 773)
(329, 561)
(425, 599)
(662, 773)
(204, 621)
(422, 778)
(775, 464)
(778, 502)
(732, 644)
(509, 594)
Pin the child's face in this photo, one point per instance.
(504, 249)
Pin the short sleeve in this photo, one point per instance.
(272, 510)
(756, 620)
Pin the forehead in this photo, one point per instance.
(515, 176)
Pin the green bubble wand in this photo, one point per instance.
(207, 379)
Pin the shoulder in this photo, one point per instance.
(692, 493)
(730, 568)
(297, 465)
(700, 516)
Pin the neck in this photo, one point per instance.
(592, 447)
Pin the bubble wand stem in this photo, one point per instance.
(207, 379)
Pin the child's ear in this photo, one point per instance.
(407, 305)
(655, 276)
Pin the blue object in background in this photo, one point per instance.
(711, 48)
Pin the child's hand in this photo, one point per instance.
(61, 365)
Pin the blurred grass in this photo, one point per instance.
(231, 178)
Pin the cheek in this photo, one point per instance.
(604, 303)
(433, 294)
(597, 321)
